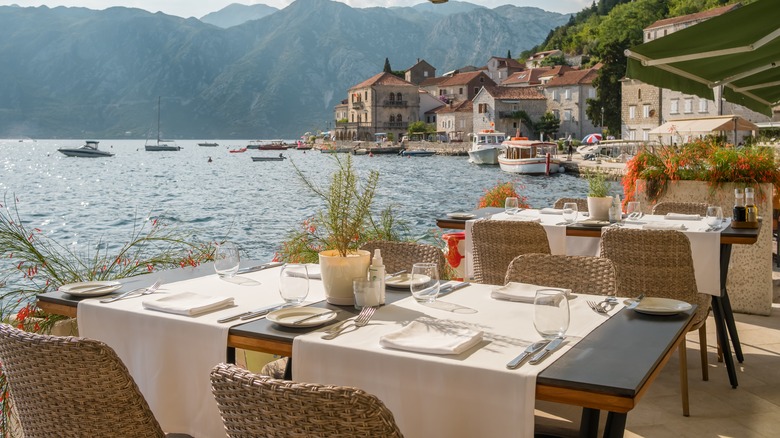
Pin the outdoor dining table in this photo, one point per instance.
(721, 305)
(609, 369)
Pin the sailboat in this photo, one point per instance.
(161, 145)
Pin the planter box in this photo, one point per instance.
(750, 271)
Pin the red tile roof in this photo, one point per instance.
(530, 76)
(433, 81)
(464, 79)
(699, 16)
(519, 93)
(574, 77)
(462, 106)
(507, 62)
(383, 78)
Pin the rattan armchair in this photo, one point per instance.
(581, 274)
(72, 387)
(497, 243)
(665, 207)
(398, 256)
(259, 406)
(582, 203)
(658, 263)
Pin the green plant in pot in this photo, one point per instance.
(599, 200)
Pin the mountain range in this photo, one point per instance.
(81, 73)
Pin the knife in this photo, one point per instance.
(531, 349)
(250, 312)
(633, 302)
(259, 268)
(449, 288)
(264, 312)
(547, 350)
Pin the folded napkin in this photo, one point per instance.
(523, 218)
(520, 292)
(663, 226)
(682, 217)
(432, 337)
(551, 211)
(188, 303)
(312, 269)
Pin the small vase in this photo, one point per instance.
(598, 208)
(338, 273)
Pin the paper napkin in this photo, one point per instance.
(188, 303)
(520, 292)
(433, 337)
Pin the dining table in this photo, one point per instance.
(609, 368)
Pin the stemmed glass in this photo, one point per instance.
(424, 283)
(714, 217)
(226, 259)
(570, 212)
(632, 210)
(551, 313)
(294, 283)
(511, 205)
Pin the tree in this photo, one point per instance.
(607, 83)
(548, 125)
(420, 127)
(508, 54)
(387, 68)
(554, 60)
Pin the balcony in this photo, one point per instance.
(396, 103)
(358, 105)
(394, 125)
(509, 114)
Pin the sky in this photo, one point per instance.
(199, 8)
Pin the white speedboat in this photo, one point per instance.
(486, 146)
(529, 157)
(89, 150)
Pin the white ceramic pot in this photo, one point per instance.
(598, 208)
(338, 273)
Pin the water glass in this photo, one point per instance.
(366, 292)
(570, 212)
(511, 205)
(226, 259)
(714, 216)
(551, 313)
(424, 282)
(632, 207)
(294, 283)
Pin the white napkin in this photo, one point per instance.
(663, 226)
(520, 292)
(188, 303)
(312, 269)
(431, 338)
(551, 211)
(682, 217)
(523, 218)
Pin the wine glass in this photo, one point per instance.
(226, 259)
(570, 212)
(633, 210)
(294, 283)
(424, 282)
(714, 217)
(511, 205)
(551, 313)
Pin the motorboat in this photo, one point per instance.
(395, 150)
(613, 150)
(418, 153)
(208, 144)
(88, 150)
(160, 145)
(360, 151)
(328, 148)
(485, 147)
(529, 157)
(237, 151)
(261, 158)
(275, 145)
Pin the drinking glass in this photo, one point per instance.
(551, 313)
(424, 282)
(366, 292)
(511, 205)
(714, 216)
(570, 212)
(632, 207)
(294, 283)
(226, 259)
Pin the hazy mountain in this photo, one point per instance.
(235, 14)
(75, 72)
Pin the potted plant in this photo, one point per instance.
(496, 196)
(599, 200)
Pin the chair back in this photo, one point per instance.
(497, 243)
(253, 405)
(665, 207)
(581, 274)
(398, 256)
(582, 203)
(657, 263)
(68, 386)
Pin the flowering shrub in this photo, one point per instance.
(700, 160)
(496, 195)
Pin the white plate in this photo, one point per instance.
(288, 316)
(404, 281)
(84, 289)
(661, 306)
(460, 215)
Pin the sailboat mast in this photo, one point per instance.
(158, 119)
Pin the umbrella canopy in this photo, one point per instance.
(739, 50)
(592, 138)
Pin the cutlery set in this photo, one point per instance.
(251, 314)
(259, 267)
(537, 351)
(135, 293)
(362, 319)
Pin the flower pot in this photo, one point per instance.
(338, 273)
(598, 208)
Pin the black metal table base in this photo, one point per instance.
(725, 327)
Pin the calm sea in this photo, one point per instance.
(84, 202)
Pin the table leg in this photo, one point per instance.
(731, 326)
(231, 355)
(616, 425)
(723, 339)
(589, 423)
(288, 369)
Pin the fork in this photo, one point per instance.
(143, 291)
(597, 307)
(362, 319)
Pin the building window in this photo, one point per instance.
(567, 94)
(567, 115)
(392, 118)
(392, 97)
(688, 106)
(592, 93)
(632, 112)
(703, 105)
(460, 91)
(554, 94)
(399, 97)
(366, 95)
(632, 134)
(398, 118)
(557, 114)
(675, 106)
(645, 134)
(425, 74)
(639, 94)
(645, 110)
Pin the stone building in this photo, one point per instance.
(458, 87)
(419, 72)
(455, 121)
(567, 96)
(497, 108)
(536, 59)
(499, 69)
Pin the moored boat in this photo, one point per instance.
(386, 150)
(418, 153)
(208, 144)
(486, 146)
(529, 157)
(279, 158)
(88, 150)
(237, 151)
(161, 145)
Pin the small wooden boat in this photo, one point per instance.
(419, 153)
(237, 151)
(529, 157)
(279, 158)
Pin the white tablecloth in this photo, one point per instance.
(705, 246)
(472, 394)
(170, 356)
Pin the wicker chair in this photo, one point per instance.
(699, 208)
(582, 203)
(254, 406)
(658, 263)
(587, 275)
(398, 256)
(497, 243)
(72, 387)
